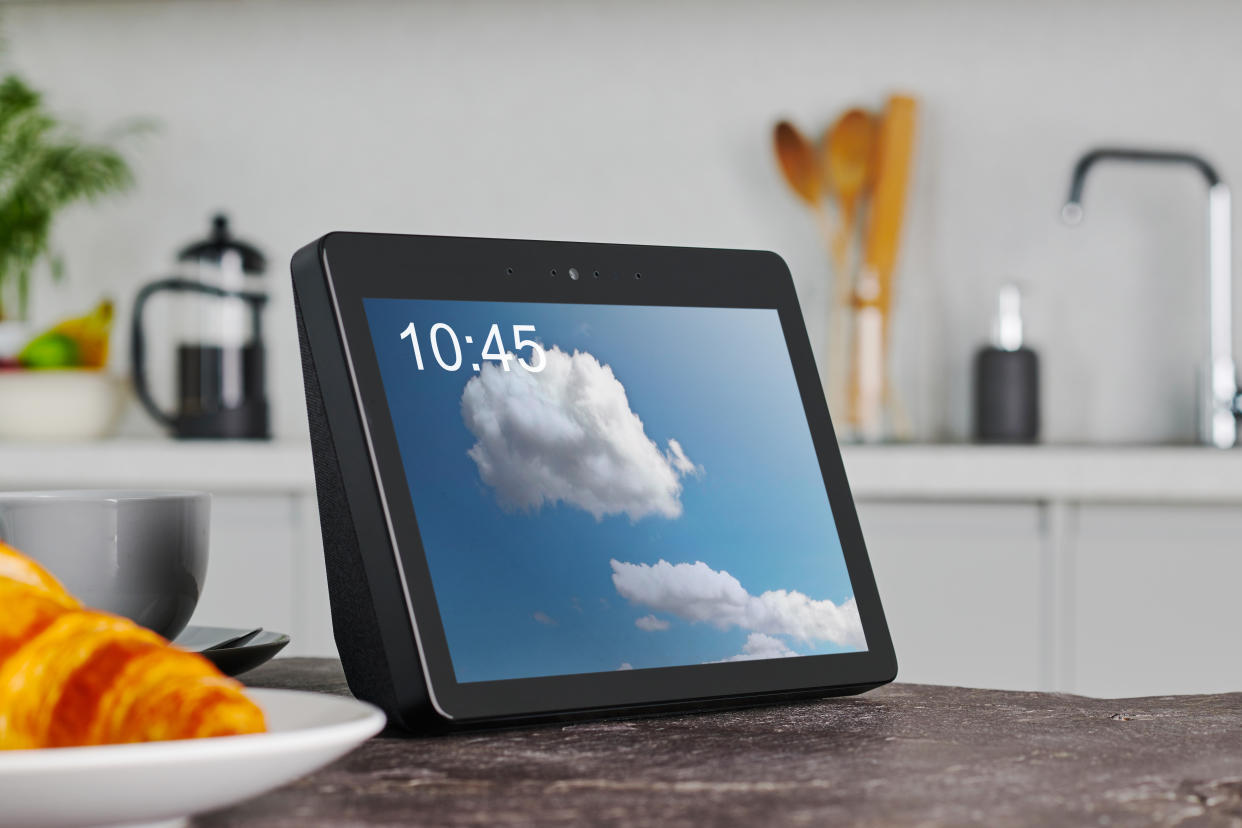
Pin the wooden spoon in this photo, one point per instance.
(799, 164)
(804, 172)
(849, 171)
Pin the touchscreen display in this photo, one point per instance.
(612, 487)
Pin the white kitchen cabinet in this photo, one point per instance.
(312, 613)
(1156, 600)
(1104, 571)
(961, 588)
(251, 566)
(266, 570)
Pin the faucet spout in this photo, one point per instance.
(1218, 422)
(1072, 211)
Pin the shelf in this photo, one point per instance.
(1185, 474)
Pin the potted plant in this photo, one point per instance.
(44, 167)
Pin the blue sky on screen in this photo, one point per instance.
(652, 498)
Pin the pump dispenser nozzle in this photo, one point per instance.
(1007, 327)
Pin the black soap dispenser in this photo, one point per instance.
(1007, 379)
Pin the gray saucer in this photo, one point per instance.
(232, 660)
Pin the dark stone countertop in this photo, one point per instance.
(901, 755)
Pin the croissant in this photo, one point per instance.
(71, 676)
(17, 567)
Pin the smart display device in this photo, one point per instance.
(563, 479)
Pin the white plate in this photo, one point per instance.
(162, 781)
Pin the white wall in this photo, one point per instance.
(649, 122)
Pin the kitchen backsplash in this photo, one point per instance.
(650, 123)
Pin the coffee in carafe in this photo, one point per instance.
(221, 383)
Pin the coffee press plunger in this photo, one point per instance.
(219, 348)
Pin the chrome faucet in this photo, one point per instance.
(1219, 399)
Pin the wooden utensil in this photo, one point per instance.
(874, 295)
(799, 165)
(803, 172)
(848, 170)
(847, 161)
(803, 169)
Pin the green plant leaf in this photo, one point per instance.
(44, 168)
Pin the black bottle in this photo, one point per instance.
(1007, 379)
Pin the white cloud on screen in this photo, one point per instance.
(696, 592)
(625, 665)
(650, 623)
(678, 459)
(567, 435)
(544, 618)
(760, 646)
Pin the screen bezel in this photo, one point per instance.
(359, 266)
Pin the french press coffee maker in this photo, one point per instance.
(219, 355)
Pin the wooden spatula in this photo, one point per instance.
(874, 293)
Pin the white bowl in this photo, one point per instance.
(60, 404)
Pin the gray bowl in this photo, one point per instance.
(140, 554)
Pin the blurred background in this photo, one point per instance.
(1099, 560)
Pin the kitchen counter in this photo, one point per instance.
(1102, 474)
(1173, 474)
(901, 755)
(218, 466)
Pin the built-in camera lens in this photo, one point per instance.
(597, 274)
(554, 271)
(573, 273)
(638, 275)
(509, 271)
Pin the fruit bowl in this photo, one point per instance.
(60, 404)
